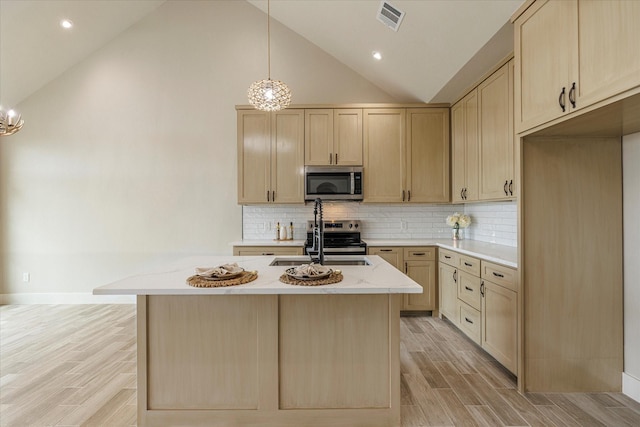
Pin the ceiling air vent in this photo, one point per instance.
(390, 16)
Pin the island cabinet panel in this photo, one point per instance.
(185, 330)
(316, 360)
(336, 333)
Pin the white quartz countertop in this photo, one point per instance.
(378, 278)
(500, 254)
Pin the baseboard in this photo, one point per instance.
(631, 387)
(65, 298)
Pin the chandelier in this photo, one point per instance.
(269, 95)
(10, 122)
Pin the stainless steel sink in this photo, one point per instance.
(342, 260)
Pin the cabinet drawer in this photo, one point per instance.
(469, 289)
(499, 274)
(448, 257)
(469, 264)
(419, 253)
(266, 250)
(469, 321)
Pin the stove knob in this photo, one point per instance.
(356, 225)
(350, 225)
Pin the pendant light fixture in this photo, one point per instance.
(269, 95)
(10, 122)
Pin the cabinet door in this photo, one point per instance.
(500, 324)
(254, 157)
(447, 277)
(546, 57)
(427, 155)
(318, 137)
(458, 152)
(469, 289)
(495, 143)
(347, 137)
(287, 157)
(393, 255)
(609, 48)
(464, 159)
(384, 154)
(424, 273)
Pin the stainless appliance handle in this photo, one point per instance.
(353, 182)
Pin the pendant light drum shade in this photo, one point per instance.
(269, 95)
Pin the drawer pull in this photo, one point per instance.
(385, 250)
(468, 265)
(419, 254)
(468, 321)
(447, 257)
(498, 274)
(268, 253)
(468, 288)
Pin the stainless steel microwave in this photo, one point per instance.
(333, 183)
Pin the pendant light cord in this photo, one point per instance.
(269, 39)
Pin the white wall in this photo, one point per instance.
(491, 222)
(631, 202)
(129, 158)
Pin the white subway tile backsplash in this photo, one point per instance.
(494, 222)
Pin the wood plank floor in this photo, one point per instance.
(74, 365)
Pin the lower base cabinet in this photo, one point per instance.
(419, 263)
(482, 303)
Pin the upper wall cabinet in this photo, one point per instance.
(483, 140)
(270, 156)
(495, 144)
(464, 159)
(406, 155)
(571, 54)
(333, 137)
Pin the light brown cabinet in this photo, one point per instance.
(500, 314)
(267, 250)
(496, 135)
(572, 54)
(418, 263)
(464, 143)
(481, 299)
(270, 156)
(448, 276)
(483, 140)
(333, 137)
(406, 155)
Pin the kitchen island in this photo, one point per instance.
(268, 353)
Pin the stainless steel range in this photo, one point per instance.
(340, 238)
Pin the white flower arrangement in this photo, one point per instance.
(458, 220)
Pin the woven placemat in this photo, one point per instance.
(201, 282)
(334, 277)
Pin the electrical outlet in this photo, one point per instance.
(26, 277)
(403, 224)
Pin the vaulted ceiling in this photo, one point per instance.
(441, 47)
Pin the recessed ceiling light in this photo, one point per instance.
(66, 23)
(377, 55)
